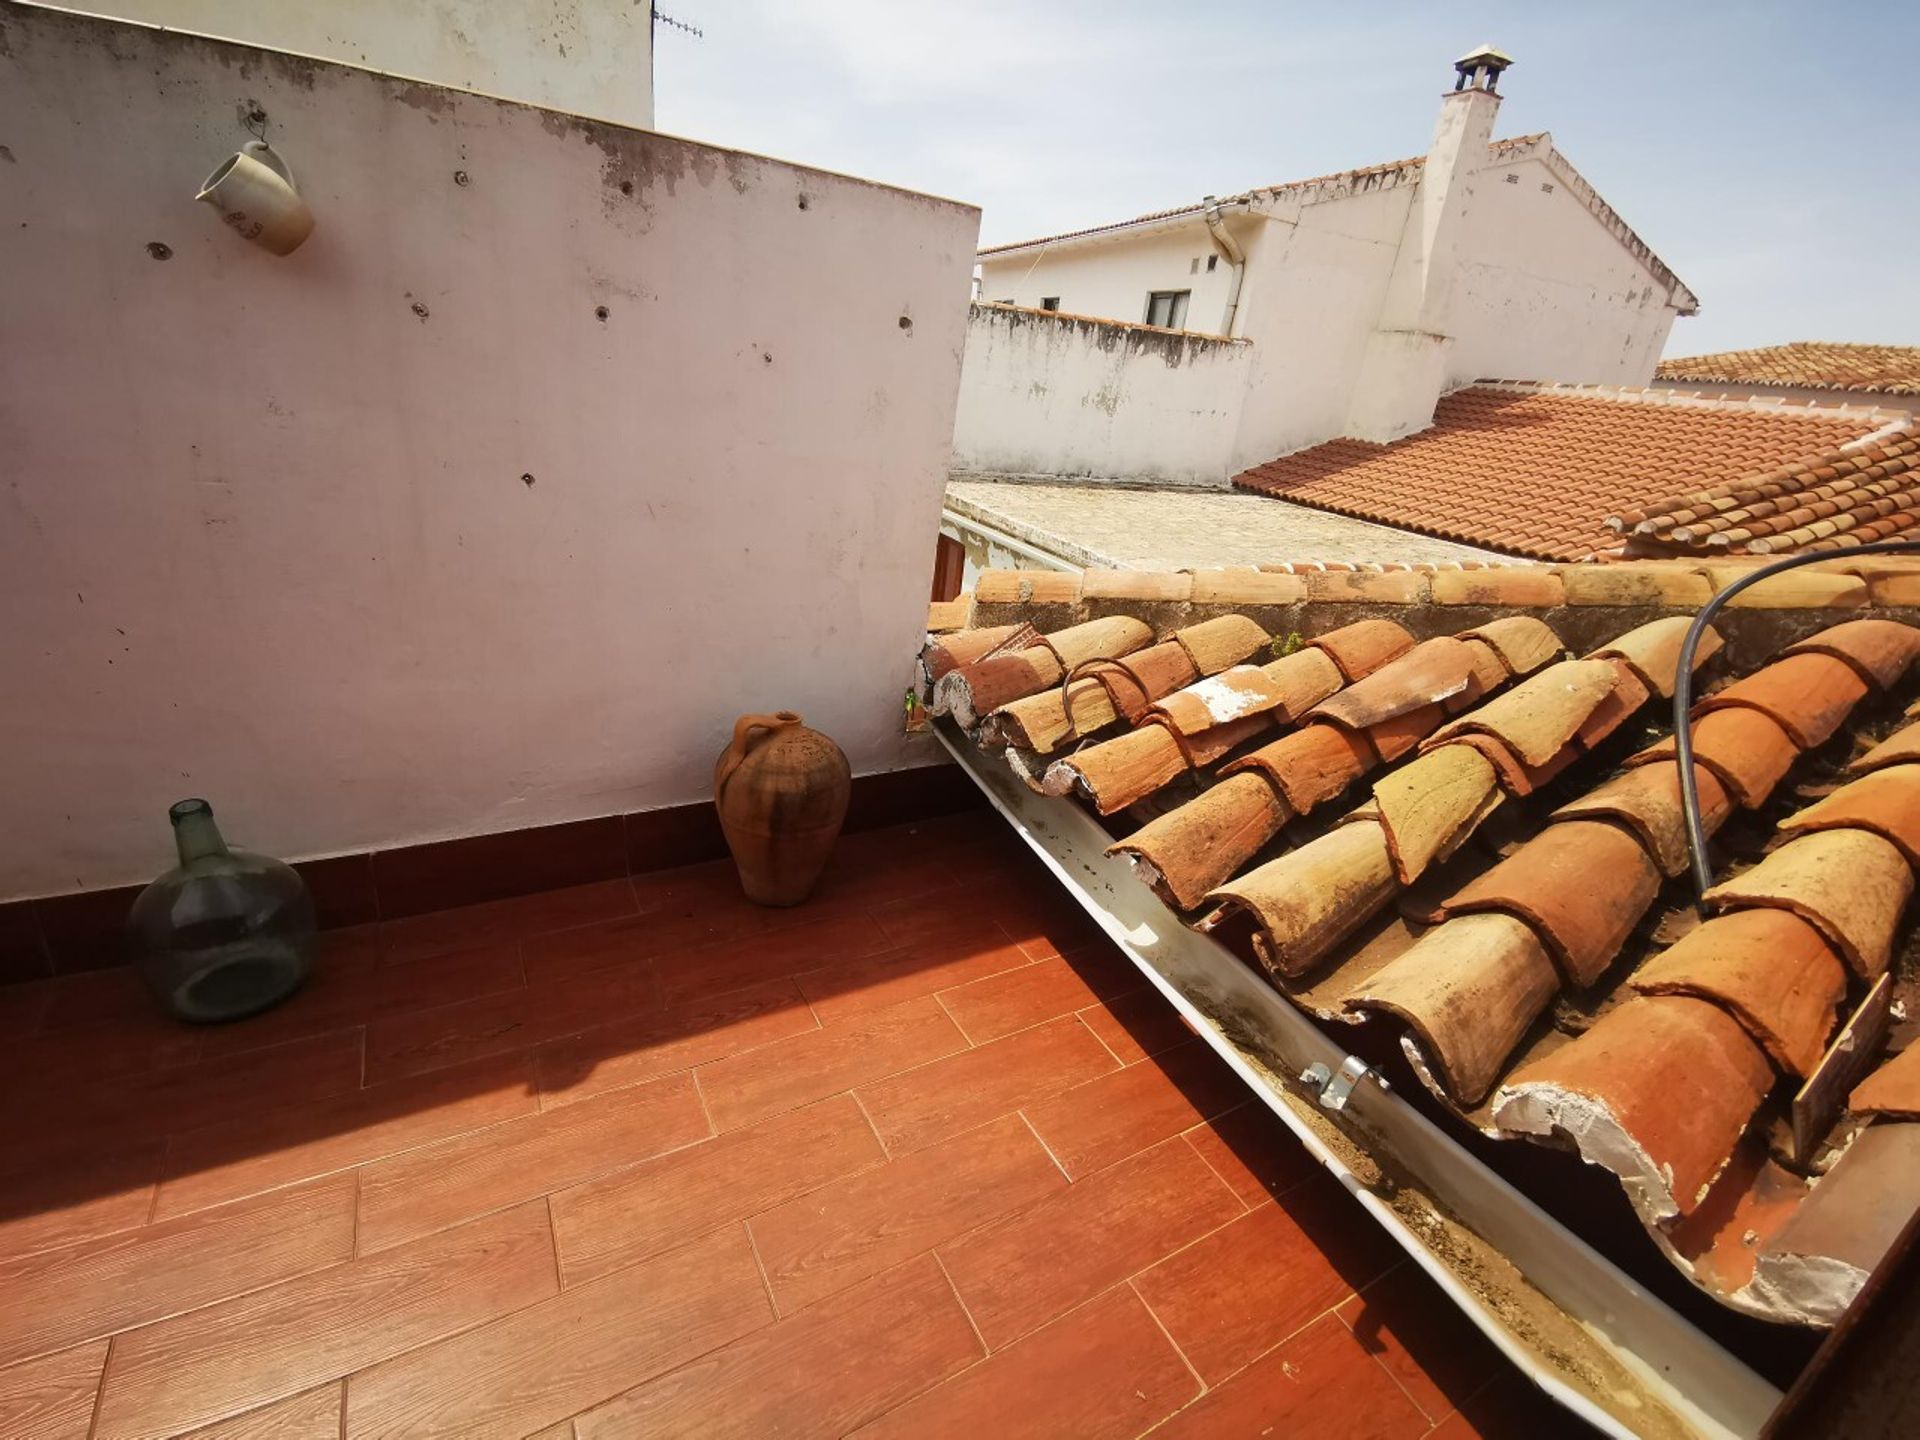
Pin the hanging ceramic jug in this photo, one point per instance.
(781, 790)
(226, 933)
(255, 194)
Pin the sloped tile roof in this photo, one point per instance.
(1539, 471)
(1461, 834)
(1807, 364)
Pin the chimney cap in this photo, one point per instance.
(1480, 69)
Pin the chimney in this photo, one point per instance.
(1405, 365)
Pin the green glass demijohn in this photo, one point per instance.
(227, 933)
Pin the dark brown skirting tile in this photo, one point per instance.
(23, 954)
(438, 876)
(86, 931)
(895, 797)
(673, 835)
(343, 890)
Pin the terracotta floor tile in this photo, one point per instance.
(51, 1398)
(820, 1373)
(1043, 921)
(312, 1416)
(1103, 1372)
(1243, 1289)
(514, 919)
(1126, 1111)
(81, 1196)
(532, 1369)
(988, 1009)
(744, 1088)
(335, 997)
(105, 1051)
(856, 1227)
(1020, 1273)
(859, 987)
(1408, 1323)
(24, 1007)
(709, 970)
(424, 1190)
(616, 1220)
(946, 923)
(517, 1020)
(567, 953)
(245, 1352)
(974, 1086)
(1254, 1152)
(1138, 1024)
(93, 996)
(1320, 1383)
(225, 1162)
(648, 1046)
(62, 1297)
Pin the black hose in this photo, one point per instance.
(1683, 689)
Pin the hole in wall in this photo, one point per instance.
(159, 250)
(767, 356)
(526, 478)
(600, 312)
(626, 187)
(460, 177)
(906, 323)
(419, 309)
(805, 202)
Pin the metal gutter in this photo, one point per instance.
(1662, 1361)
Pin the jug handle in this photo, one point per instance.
(270, 158)
(737, 751)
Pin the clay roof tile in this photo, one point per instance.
(1432, 671)
(1849, 884)
(1809, 694)
(1364, 646)
(1885, 802)
(1892, 1089)
(1523, 642)
(1900, 748)
(1646, 799)
(1310, 899)
(1749, 752)
(1539, 716)
(1653, 650)
(1879, 650)
(1429, 807)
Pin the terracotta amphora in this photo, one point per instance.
(781, 790)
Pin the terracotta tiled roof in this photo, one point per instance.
(1538, 471)
(1453, 830)
(1807, 364)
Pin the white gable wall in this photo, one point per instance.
(1546, 292)
(1111, 279)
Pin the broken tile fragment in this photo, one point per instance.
(1658, 1092)
(1893, 1089)
(1769, 969)
(1851, 885)
(1900, 748)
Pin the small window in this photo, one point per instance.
(1212, 260)
(1050, 302)
(1168, 308)
(1194, 268)
(1008, 301)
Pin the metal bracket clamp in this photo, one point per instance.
(1334, 1089)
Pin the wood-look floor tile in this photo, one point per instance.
(1126, 1111)
(1252, 1149)
(24, 1006)
(439, 1185)
(1138, 1024)
(646, 1047)
(312, 1416)
(515, 1020)
(746, 1088)
(62, 1297)
(568, 953)
(1319, 1383)
(856, 1227)
(535, 1368)
(85, 1194)
(235, 1356)
(51, 1398)
(944, 925)
(1043, 920)
(221, 1163)
(974, 1086)
(103, 1050)
(820, 1373)
(874, 982)
(209, 1092)
(1017, 1275)
(1105, 1371)
(1235, 1294)
(1019, 999)
(662, 1203)
(1407, 1323)
(698, 974)
(358, 989)
(517, 918)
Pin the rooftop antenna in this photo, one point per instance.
(661, 18)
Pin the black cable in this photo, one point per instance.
(1683, 689)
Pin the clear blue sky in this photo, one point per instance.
(1765, 151)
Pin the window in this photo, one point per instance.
(1194, 268)
(1168, 308)
(1050, 302)
(1212, 260)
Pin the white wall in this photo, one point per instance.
(588, 57)
(1111, 279)
(264, 535)
(1546, 292)
(1048, 394)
